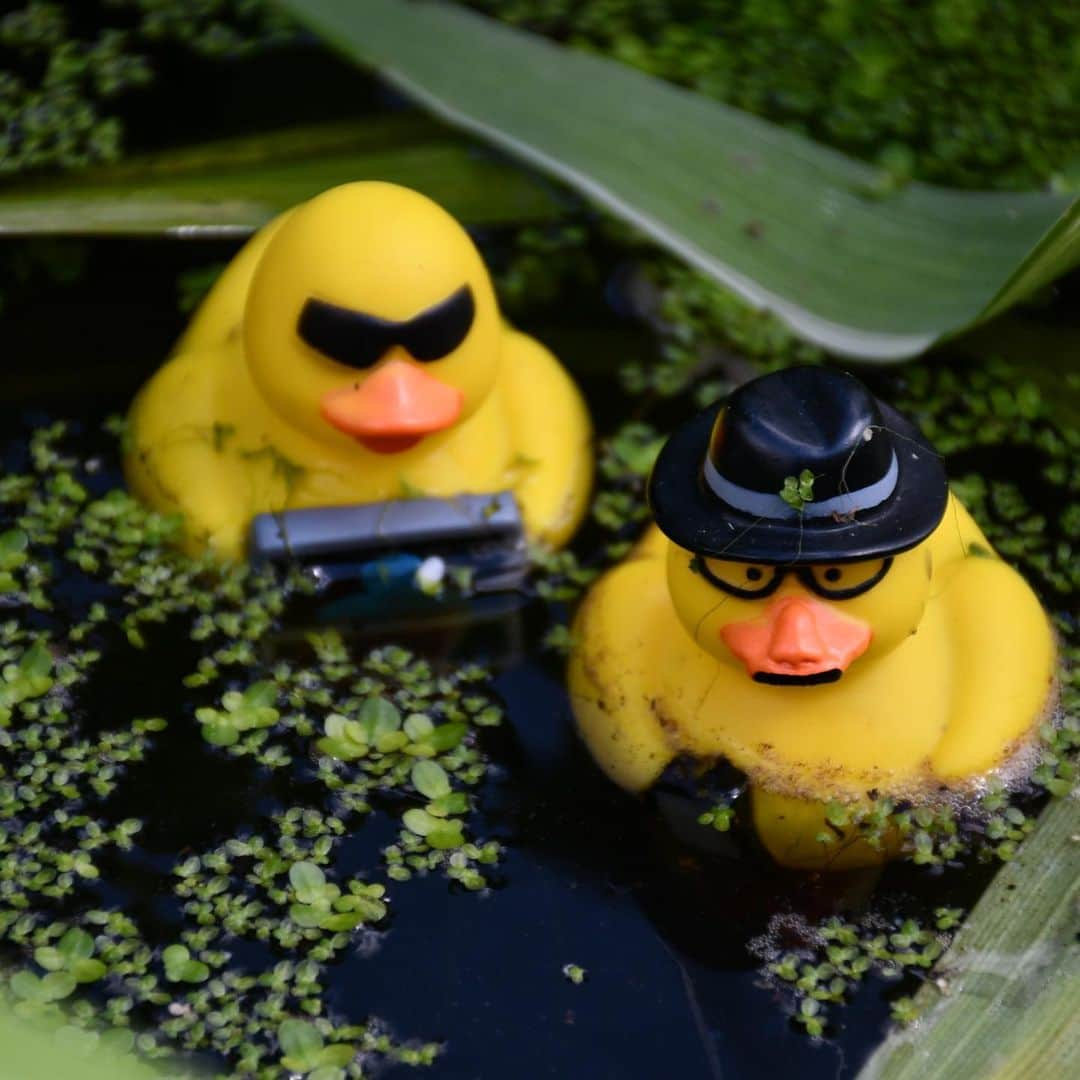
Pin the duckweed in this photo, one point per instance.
(346, 729)
(720, 817)
(837, 956)
(240, 712)
(798, 490)
(60, 88)
(928, 91)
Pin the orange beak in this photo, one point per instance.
(795, 640)
(394, 407)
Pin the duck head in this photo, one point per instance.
(371, 321)
(799, 625)
(797, 514)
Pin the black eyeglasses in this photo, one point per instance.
(748, 581)
(358, 340)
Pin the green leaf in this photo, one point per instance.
(1005, 1002)
(260, 694)
(76, 944)
(232, 186)
(49, 958)
(194, 971)
(456, 802)
(220, 734)
(446, 736)
(306, 916)
(307, 879)
(26, 985)
(342, 749)
(340, 921)
(340, 729)
(334, 726)
(447, 835)
(788, 224)
(379, 717)
(419, 822)
(327, 1072)
(175, 956)
(340, 1054)
(430, 779)
(12, 543)
(391, 742)
(88, 971)
(56, 986)
(300, 1040)
(37, 663)
(418, 727)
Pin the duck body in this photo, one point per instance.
(249, 415)
(951, 674)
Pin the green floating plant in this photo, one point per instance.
(15, 557)
(320, 903)
(240, 712)
(798, 490)
(304, 1051)
(904, 1011)
(377, 726)
(559, 639)
(181, 966)
(720, 817)
(36, 994)
(840, 955)
(73, 954)
(269, 885)
(434, 822)
(28, 678)
(934, 834)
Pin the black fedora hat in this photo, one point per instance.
(879, 488)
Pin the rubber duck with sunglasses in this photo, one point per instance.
(353, 353)
(815, 609)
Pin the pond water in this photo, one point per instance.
(590, 876)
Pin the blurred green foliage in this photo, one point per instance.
(63, 67)
(971, 93)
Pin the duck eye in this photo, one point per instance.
(738, 579)
(846, 581)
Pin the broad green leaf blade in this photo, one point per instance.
(233, 186)
(1007, 1006)
(785, 222)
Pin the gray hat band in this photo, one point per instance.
(762, 504)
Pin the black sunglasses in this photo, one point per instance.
(358, 340)
(816, 579)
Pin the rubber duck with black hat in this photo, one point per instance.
(815, 608)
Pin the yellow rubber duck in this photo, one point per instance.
(822, 613)
(353, 352)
